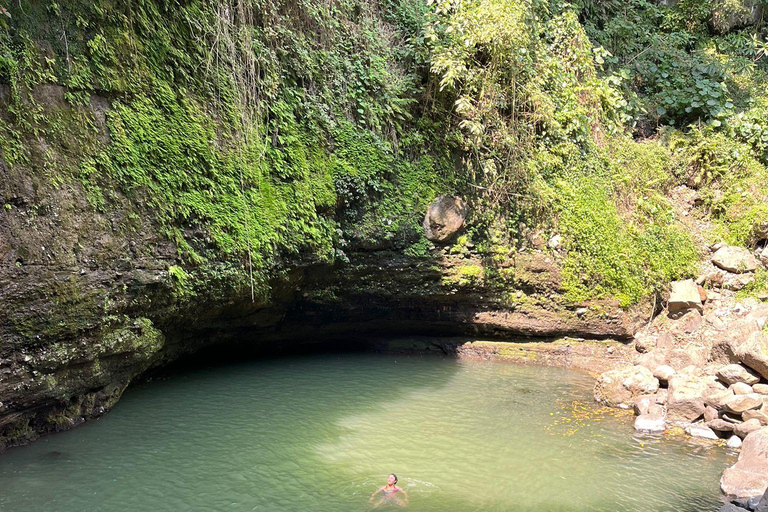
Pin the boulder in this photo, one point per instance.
(730, 507)
(761, 389)
(764, 256)
(740, 403)
(684, 296)
(619, 388)
(744, 429)
(642, 404)
(710, 413)
(694, 355)
(733, 373)
(749, 476)
(727, 342)
(717, 399)
(686, 398)
(686, 324)
(753, 352)
(734, 259)
(762, 503)
(734, 442)
(701, 432)
(737, 282)
(756, 414)
(445, 217)
(741, 388)
(644, 343)
(664, 373)
(652, 359)
(651, 421)
(720, 425)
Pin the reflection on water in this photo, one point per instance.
(322, 433)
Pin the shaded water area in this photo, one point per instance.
(321, 432)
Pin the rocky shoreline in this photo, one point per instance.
(702, 366)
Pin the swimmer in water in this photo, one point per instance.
(390, 493)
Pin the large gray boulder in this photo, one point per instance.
(735, 259)
(619, 388)
(749, 476)
(445, 217)
(684, 296)
(686, 398)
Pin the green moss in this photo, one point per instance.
(464, 275)
(610, 257)
(758, 288)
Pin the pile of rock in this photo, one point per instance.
(704, 368)
(727, 402)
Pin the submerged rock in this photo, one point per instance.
(651, 421)
(445, 217)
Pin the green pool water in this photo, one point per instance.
(320, 433)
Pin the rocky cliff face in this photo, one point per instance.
(90, 300)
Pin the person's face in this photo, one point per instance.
(391, 480)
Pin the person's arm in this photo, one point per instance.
(405, 494)
(377, 492)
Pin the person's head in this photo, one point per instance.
(392, 479)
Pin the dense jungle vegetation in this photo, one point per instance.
(288, 130)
